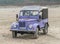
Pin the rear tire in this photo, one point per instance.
(14, 34)
(36, 34)
(45, 30)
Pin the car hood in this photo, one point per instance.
(27, 19)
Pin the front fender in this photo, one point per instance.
(15, 25)
(35, 26)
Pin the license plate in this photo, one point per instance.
(22, 28)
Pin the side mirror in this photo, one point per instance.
(16, 17)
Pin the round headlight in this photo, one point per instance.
(30, 26)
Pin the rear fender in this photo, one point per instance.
(43, 22)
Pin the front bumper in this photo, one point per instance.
(23, 30)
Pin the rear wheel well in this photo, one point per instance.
(47, 24)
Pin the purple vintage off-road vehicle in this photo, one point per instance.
(31, 20)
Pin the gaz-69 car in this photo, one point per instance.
(31, 20)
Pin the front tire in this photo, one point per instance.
(14, 34)
(36, 34)
(45, 30)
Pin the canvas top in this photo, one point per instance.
(33, 8)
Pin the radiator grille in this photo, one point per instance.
(22, 24)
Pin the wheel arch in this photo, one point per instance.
(38, 27)
(47, 24)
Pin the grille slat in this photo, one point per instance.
(22, 24)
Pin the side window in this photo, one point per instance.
(45, 13)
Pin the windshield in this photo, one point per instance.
(28, 13)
